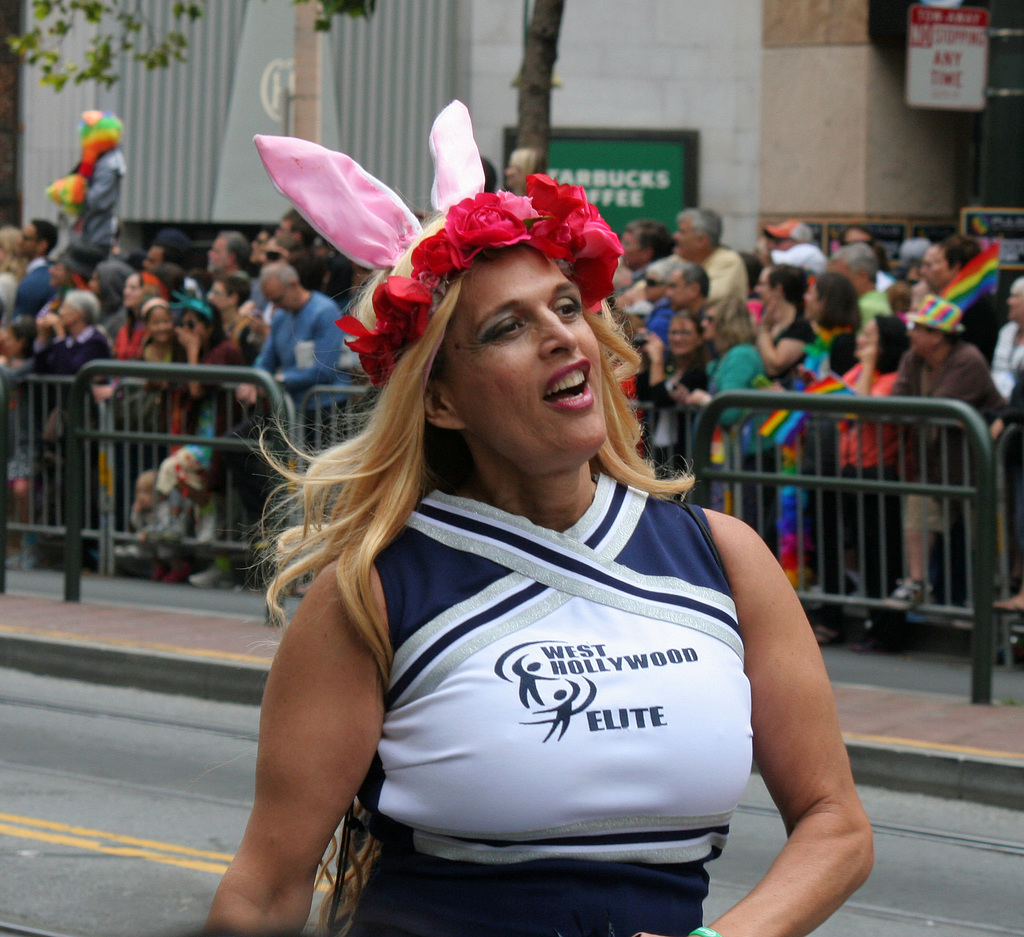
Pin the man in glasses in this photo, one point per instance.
(38, 238)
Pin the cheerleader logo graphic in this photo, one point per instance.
(551, 677)
(554, 699)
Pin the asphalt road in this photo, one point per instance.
(120, 808)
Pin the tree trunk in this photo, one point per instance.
(306, 121)
(539, 54)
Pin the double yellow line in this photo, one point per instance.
(113, 844)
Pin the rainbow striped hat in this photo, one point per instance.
(937, 313)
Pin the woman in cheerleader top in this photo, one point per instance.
(522, 694)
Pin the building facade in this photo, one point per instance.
(796, 107)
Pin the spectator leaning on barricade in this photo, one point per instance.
(729, 327)
(67, 339)
(304, 344)
(859, 264)
(783, 333)
(302, 351)
(941, 263)
(698, 239)
(38, 238)
(666, 378)
(871, 523)
(940, 364)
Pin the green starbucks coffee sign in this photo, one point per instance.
(627, 174)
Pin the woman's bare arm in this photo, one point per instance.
(320, 724)
(798, 749)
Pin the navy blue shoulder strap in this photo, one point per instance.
(702, 525)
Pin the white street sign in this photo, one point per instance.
(947, 57)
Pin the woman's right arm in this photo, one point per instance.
(321, 720)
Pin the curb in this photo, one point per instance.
(978, 778)
(974, 777)
(153, 670)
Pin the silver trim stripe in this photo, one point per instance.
(576, 583)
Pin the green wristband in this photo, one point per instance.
(704, 932)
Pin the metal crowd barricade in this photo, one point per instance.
(327, 414)
(88, 424)
(756, 480)
(5, 406)
(668, 435)
(1010, 488)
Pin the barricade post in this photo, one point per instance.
(321, 431)
(881, 410)
(5, 409)
(281, 408)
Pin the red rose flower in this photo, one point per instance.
(434, 257)
(374, 352)
(486, 221)
(402, 306)
(572, 229)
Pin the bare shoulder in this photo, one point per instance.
(322, 616)
(770, 615)
(739, 545)
(322, 662)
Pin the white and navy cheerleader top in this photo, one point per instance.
(567, 725)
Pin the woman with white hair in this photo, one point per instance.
(67, 338)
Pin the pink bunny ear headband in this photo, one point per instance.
(371, 225)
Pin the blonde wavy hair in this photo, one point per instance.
(357, 496)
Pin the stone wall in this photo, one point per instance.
(665, 65)
(837, 138)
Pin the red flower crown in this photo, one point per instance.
(555, 219)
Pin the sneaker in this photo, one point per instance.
(212, 578)
(908, 594)
(178, 574)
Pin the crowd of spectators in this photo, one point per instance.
(788, 317)
(268, 302)
(706, 318)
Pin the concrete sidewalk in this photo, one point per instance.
(932, 742)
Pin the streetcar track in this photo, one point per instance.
(949, 838)
(964, 840)
(128, 785)
(95, 713)
(881, 913)
(8, 927)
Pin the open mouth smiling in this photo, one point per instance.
(571, 384)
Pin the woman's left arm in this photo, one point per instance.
(798, 749)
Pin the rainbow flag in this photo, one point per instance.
(975, 279)
(782, 426)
